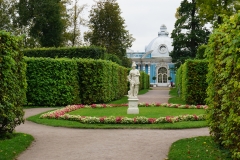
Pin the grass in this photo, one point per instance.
(12, 145)
(75, 124)
(202, 148)
(175, 99)
(149, 112)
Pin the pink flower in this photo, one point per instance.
(101, 119)
(151, 120)
(118, 119)
(195, 117)
(93, 105)
(104, 105)
(168, 119)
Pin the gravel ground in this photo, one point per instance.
(59, 143)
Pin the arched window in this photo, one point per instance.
(162, 75)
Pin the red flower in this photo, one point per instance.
(118, 119)
(93, 105)
(195, 117)
(151, 120)
(101, 119)
(168, 119)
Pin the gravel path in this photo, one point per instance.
(58, 143)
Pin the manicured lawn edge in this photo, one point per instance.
(12, 146)
(202, 147)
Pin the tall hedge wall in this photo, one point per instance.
(191, 79)
(223, 53)
(69, 81)
(12, 82)
(52, 82)
(68, 52)
(101, 81)
(73, 52)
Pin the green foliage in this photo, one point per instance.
(191, 80)
(107, 28)
(12, 81)
(74, 21)
(78, 52)
(101, 81)
(211, 10)
(113, 58)
(46, 18)
(223, 89)
(200, 51)
(52, 81)
(188, 34)
(7, 14)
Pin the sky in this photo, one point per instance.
(143, 18)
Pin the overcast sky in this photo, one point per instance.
(143, 18)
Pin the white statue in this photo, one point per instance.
(133, 78)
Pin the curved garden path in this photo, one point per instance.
(58, 143)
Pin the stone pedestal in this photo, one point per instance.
(133, 106)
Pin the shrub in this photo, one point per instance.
(223, 89)
(52, 82)
(191, 79)
(12, 81)
(67, 52)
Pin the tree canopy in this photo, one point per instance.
(47, 19)
(189, 32)
(108, 29)
(212, 11)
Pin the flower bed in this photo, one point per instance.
(62, 114)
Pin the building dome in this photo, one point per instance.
(160, 46)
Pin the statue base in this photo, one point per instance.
(133, 106)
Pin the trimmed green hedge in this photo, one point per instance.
(64, 81)
(12, 82)
(191, 79)
(73, 52)
(68, 52)
(52, 82)
(223, 53)
(101, 81)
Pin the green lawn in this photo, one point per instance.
(175, 99)
(202, 147)
(149, 112)
(13, 144)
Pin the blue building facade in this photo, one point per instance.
(156, 61)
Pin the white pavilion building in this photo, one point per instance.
(156, 61)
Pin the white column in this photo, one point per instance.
(144, 67)
(149, 66)
(139, 66)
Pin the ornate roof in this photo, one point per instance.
(160, 46)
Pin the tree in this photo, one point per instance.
(189, 33)
(75, 20)
(211, 10)
(47, 19)
(8, 15)
(107, 28)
